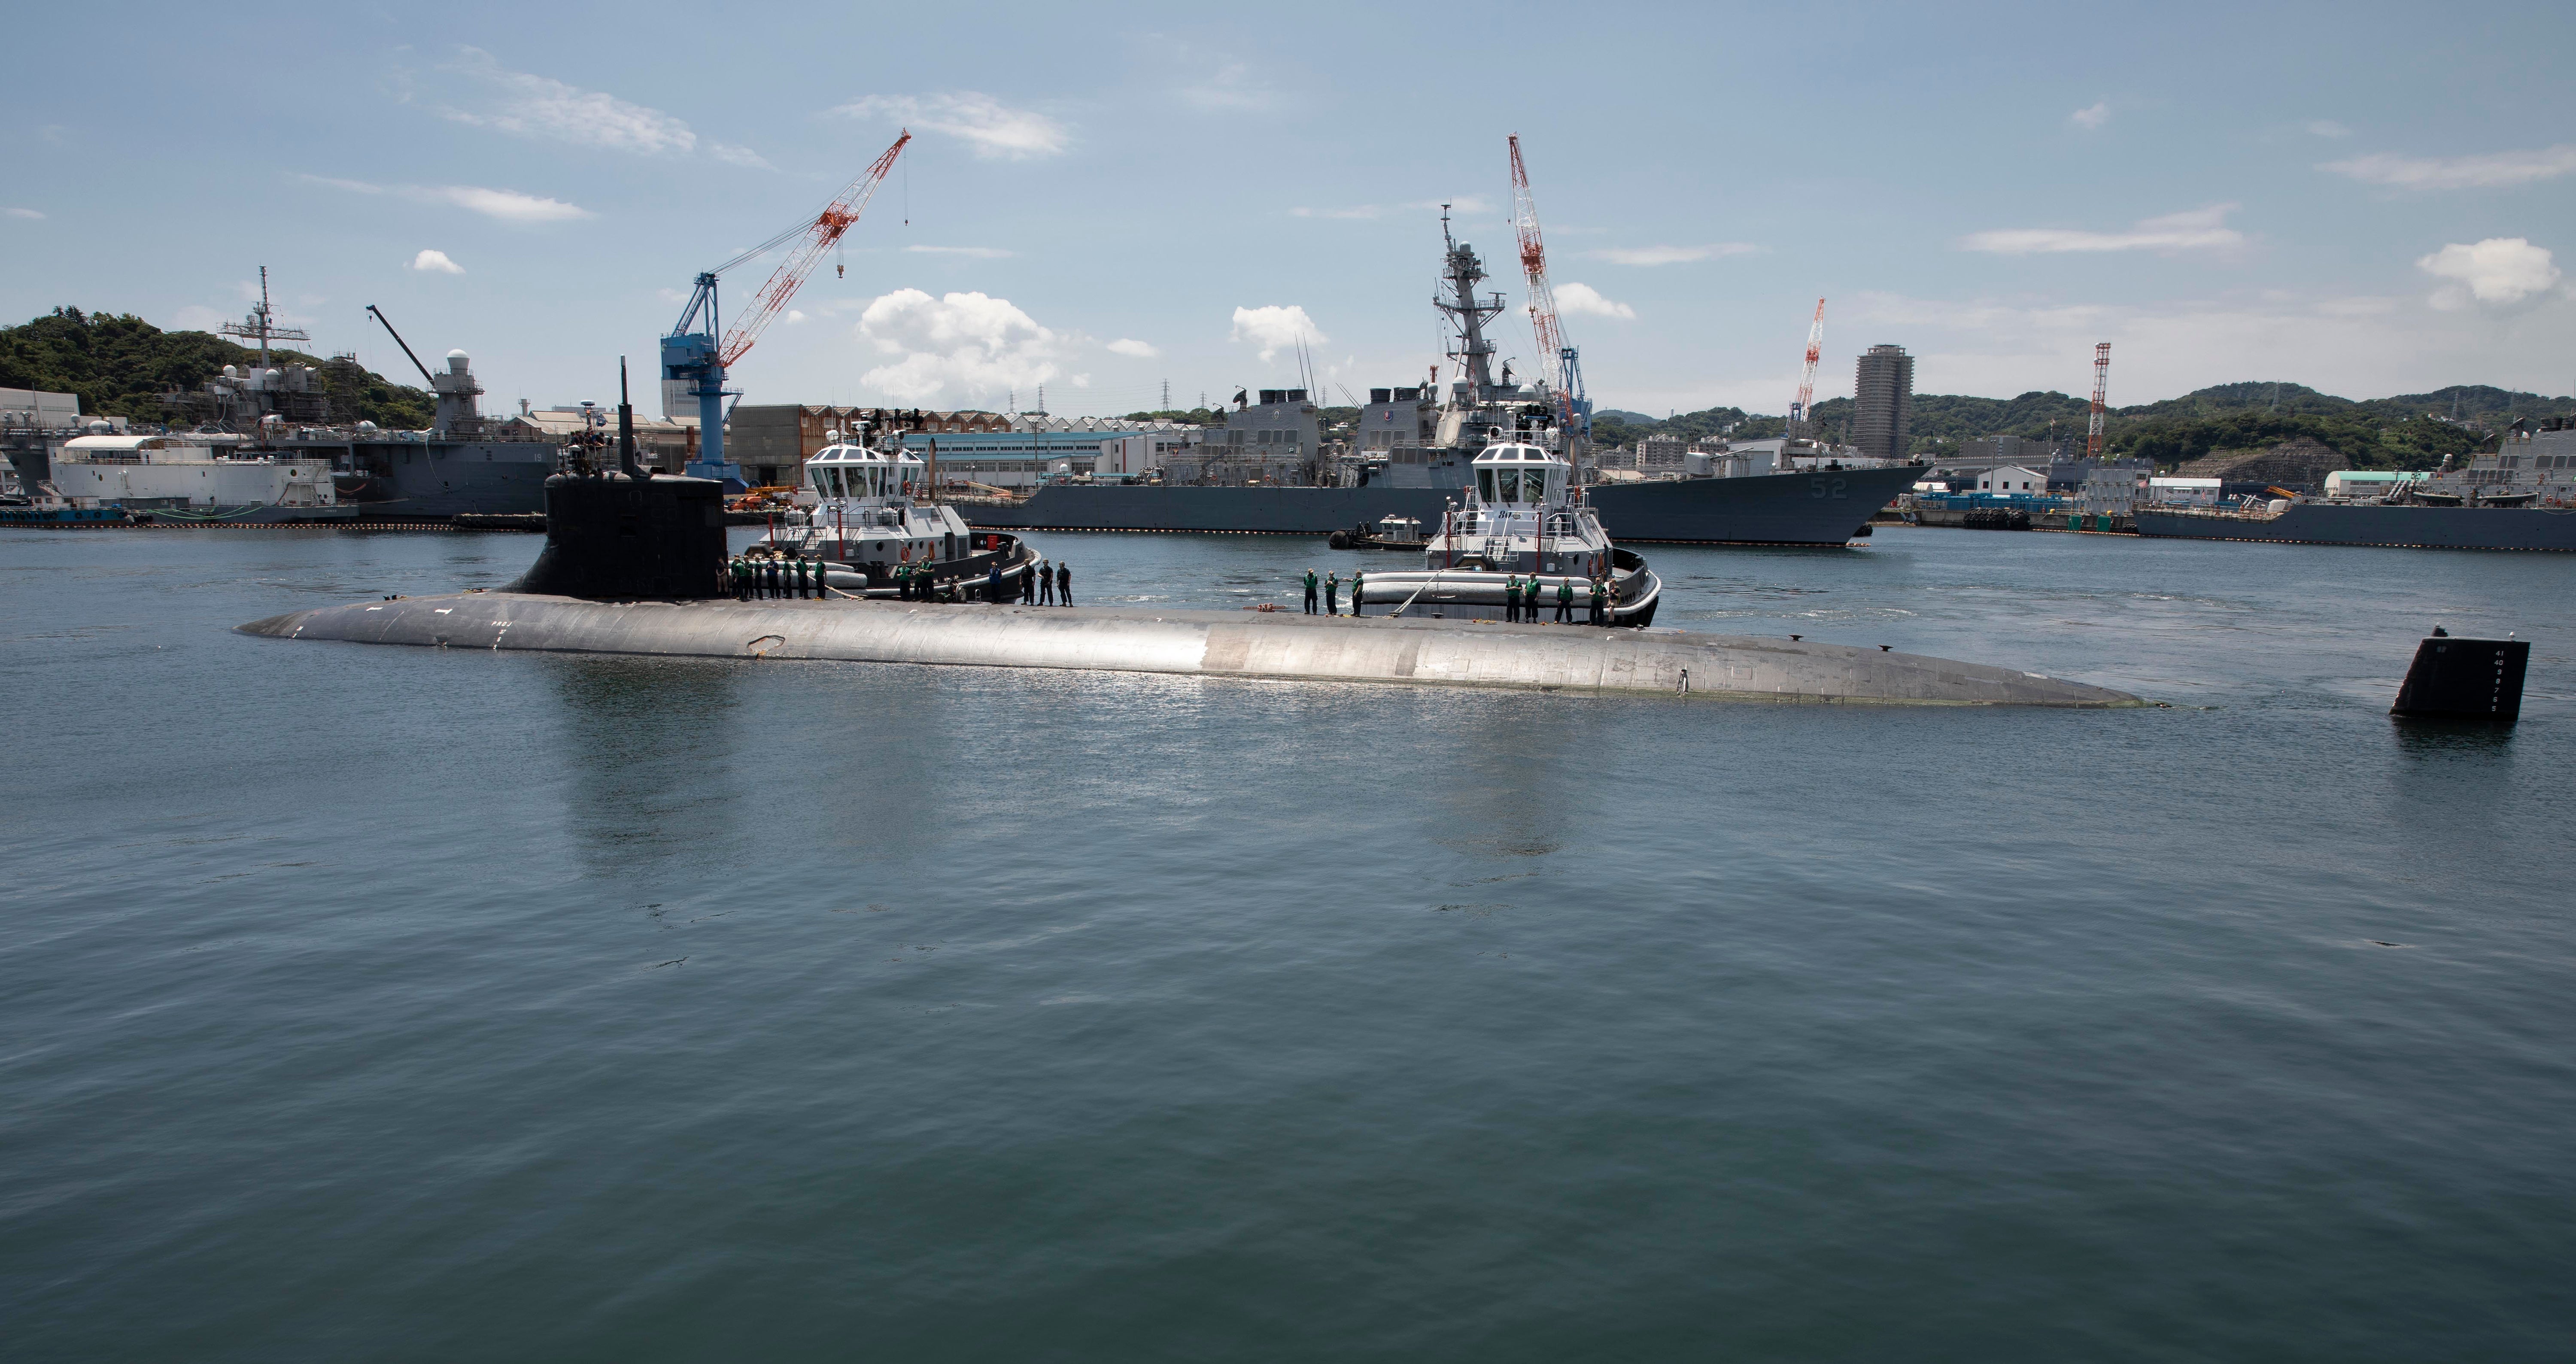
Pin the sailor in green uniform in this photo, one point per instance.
(1565, 601)
(1358, 578)
(1310, 591)
(1512, 598)
(1332, 594)
(1600, 602)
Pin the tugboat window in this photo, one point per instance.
(1486, 476)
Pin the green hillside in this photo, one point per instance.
(121, 364)
(2408, 431)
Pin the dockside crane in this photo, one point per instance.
(2101, 389)
(1561, 363)
(691, 353)
(1798, 410)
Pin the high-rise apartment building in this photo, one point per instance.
(1883, 402)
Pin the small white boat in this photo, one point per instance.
(1521, 525)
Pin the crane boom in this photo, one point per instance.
(1807, 377)
(826, 229)
(1542, 299)
(2101, 390)
(1559, 361)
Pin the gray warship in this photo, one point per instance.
(1434, 438)
(2522, 496)
(463, 464)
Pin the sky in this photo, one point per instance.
(2365, 199)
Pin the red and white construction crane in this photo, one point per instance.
(1807, 377)
(2101, 388)
(1559, 362)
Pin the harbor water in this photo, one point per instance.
(419, 1004)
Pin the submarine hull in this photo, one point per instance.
(1210, 643)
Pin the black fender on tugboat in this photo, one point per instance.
(1340, 539)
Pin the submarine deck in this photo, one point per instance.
(1214, 643)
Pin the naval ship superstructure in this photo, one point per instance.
(463, 464)
(1431, 438)
(2520, 496)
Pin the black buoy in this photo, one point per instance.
(629, 536)
(2454, 678)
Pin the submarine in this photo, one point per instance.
(633, 564)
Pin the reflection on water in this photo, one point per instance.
(656, 1007)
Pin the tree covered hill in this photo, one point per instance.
(2410, 430)
(120, 365)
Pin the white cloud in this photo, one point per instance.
(2093, 116)
(1082, 381)
(1670, 255)
(1274, 328)
(1232, 88)
(738, 156)
(794, 316)
(21, 212)
(537, 106)
(995, 130)
(966, 343)
(1583, 298)
(1133, 349)
(436, 261)
(977, 252)
(2201, 229)
(2499, 270)
(2326, 127)
(508, 205)
(2490, 170)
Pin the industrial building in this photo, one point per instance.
(35, 409)
(771, 441)
(1032, 446)
(1883, 402)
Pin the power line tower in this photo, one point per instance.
(2101, 387)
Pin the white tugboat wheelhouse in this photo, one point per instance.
(874, 534)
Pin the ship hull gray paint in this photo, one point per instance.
(1206, 643)
(1769, 509)
(2316, 523)
(434, 480)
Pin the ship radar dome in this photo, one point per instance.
(232, 371)
(457, 360)
(366, 426)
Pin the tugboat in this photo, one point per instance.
(876, 537)
(1520, 525)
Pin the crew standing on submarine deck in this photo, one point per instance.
(1064, 584)
(1310, 591)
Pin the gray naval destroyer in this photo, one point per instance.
(2522, 496)
(1810, 500)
